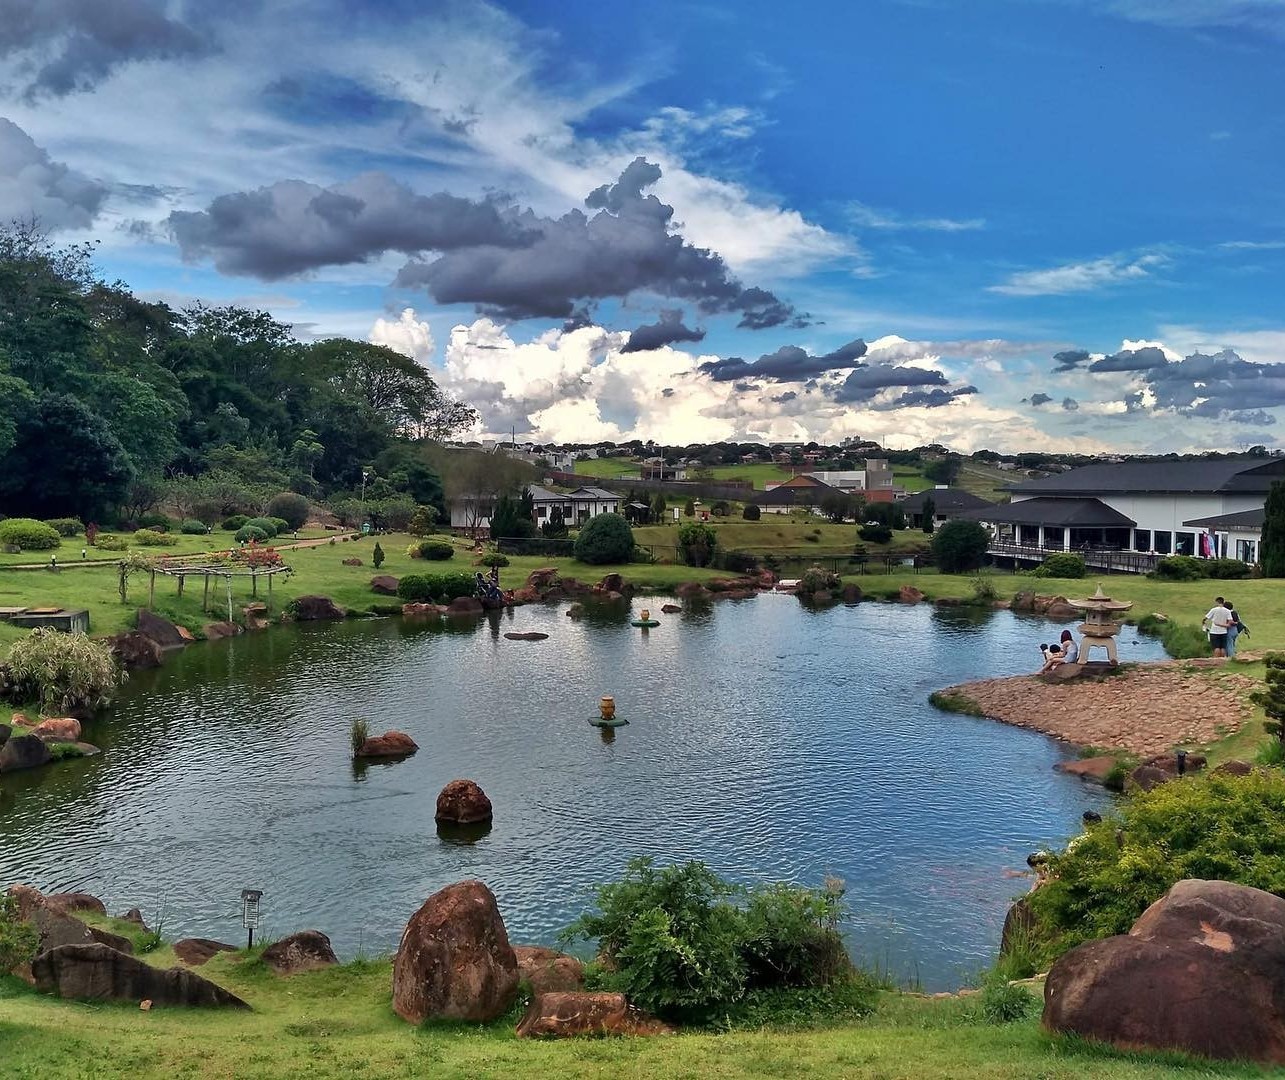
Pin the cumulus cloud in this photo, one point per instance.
(927, 399)
(1038, 399)
(62, 46)
(788, 364)
(408, 334)
(1069, 359)
(668, 330)
(865, 383)
(1069, 404)
(32, 187)
(1079, 277)
(1143, 359)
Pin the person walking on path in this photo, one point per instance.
(1234, 629)
(1217, 620)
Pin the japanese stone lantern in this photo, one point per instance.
(1100, 626)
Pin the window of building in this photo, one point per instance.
(1141, 539)
(1184, 543)
(1163, 545)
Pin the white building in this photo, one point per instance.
(474, 511)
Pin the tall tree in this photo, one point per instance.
(1271, 552)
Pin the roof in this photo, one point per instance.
(802, 480)
(1196, 476)
(1076, 513)
(944, 499)
(542, 494)
(1242, 519)
(793, 496)
(593, 493)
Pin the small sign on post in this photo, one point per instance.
(251, 916)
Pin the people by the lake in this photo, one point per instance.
(1052, 657)
(1216, 623)
(1234, 629)
(1066, 651)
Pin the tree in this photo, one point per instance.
(943, 471)
(960, 546)
(377, 556)
(697, 543)
(658, 508)
(291, 507)
(508, 522)
(689, 508)
(751, 512)
(885, 513)
(605, 539)
(927, 514)
(836, 505)
(1271, 552)
(556, 527)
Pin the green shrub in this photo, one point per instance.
(984, 592)
(1226, 569)
(235, 522)
(960, 546)
(1182, 641)
(111, 542)
(697, 543)
(65, 673)
(791, 936)
(1003, 1002)
(149, 538)
(953, 701)
(874, 532)
(247, 533)
(28, 534)
(1229, 828)
(494, 559)
(817, 579)
(423, 521)
(280, 526)
(377, 556)
(1179, 568)
(18, 940)
(436, 550)
(265, 524)
(605, 539)
(66, 526)
(192, 527)
(1063, 564)
(751, 512)
(438, 588)
(357, 734)
(290, 507)
(157, 522)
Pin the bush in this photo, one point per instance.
(1064, 564)
(1227, 569)
(265, 524)
(440, 588)
(605, 539)
(192, 527)
(493, 559)
(697, 543)
(960, 546)
(235, 522)
(18, 940)
(1181, 640)
(358, 734)
(984, 592)
(154, 521)
(66, 526)
(1229, 828)
(65, 673)
(436, 550)
(423, 521)
(28, 534)
(280, 525)
(1003, 1002)
(291, 507)
(247, 533)
(875, 532)
(684, 944)
(817, 579)
(1179, 568)
(377, 556)
(751, 512)
(111, 542)
(149, 538)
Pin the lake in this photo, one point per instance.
(772, 741)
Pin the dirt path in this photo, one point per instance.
(1150, 709)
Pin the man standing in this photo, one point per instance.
(1217, 621)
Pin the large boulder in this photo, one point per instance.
(851, 593)
(690, 590)
(305, 951)
(1202, 971)
(908, 594)
(1061, 610)
(315, 608)
(454, 960)
(197, 951)
(558, 1015)
(612, 583)
(542, 578)
(548, 970)
(135, 650)
(5, 732)
(57, 929)
(58, 729)
(384, 584)
(98, 973)
(462, 802)
(389, 744)
(217, 631)
(1146, 777)
(28, 899)
(422, 611)
(159, 629)
(67, 902)
(465, 605)
(23, 752)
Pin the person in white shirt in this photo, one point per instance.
(1217, 620)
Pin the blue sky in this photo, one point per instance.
(967, 188)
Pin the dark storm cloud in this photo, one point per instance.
(928, 399)
(290, 227)
(35, 188)
(1131, 360)
(784, 399)
(668, 330)
(1069, 359)
(502, 259)
(1069, 404)
(1039, 399)
(866, 382)
(70, 45)
(788, 364)
(1257, 416)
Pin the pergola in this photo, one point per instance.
(215, 570)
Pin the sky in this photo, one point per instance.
(1014, 224)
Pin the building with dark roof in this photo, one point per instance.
(948, 503)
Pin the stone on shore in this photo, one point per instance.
(216, 631)
(68, 902)
(135, 651)
(23, 752)
(315, 608)
(305, 951)
(384, 584)
(548, 970)
(57, 928)
(691, 590)
(465, 605)
(390, 744)
(1146, 777)
(134, 915)
(1202, 971)
(99, 973)
(198, 951)
(58, 729)
(159, 629)
(1095, 770)
(1233, 768)
(454, 961)
(462, 802)
(908, 594)
(27, 898)
(566, 1014)
(542, 578)
(423, 611)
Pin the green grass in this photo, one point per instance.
(176, 544)
(954, 701)
(760, 474)
(338, 1023)
(785, 535)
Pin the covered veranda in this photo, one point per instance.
(1053, 524)
(1237, 535)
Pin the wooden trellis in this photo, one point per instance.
(206, 571)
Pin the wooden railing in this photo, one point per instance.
(1111, 560)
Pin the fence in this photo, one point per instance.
(1108, 560)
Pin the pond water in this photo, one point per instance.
(772, 741)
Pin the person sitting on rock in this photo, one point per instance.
(1052, 657)
(1065, 652)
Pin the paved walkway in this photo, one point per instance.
(1150, 709)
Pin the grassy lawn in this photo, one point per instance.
(784, 534)
(986, 481)
(176, 544)
(338, 1023)
(759, 474)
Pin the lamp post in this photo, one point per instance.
(251, 916)
(365, 475)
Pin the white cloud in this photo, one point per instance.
(407, 334)
(870, 217)
(35, 188)
(1258, 346)
(1080, 277)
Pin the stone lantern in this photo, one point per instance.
(1100, 626)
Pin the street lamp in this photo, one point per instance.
(251, 916)
(365, 475)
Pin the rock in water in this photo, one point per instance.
(462, 802)
(1202, 971)
(304, 951)
(315, 608)
(98, 973)
(159, 629)
(58, 729)
(135, 650)
(557, 1015)
(23, 752)
(454, 960)
(389, 744)
(548, 970)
